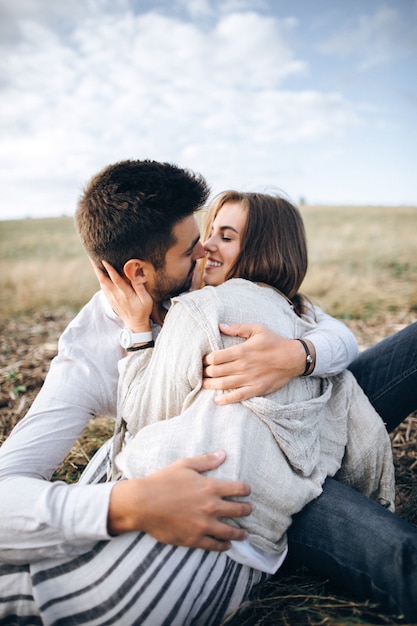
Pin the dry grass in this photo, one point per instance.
(363, 266)
(42, 267)
(300, 600)
(363, 261)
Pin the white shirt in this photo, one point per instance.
(40, 519)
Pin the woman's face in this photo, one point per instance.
(223, 245)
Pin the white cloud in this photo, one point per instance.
(117, 81)
(197, 8)
(103, 82)
(374, 39)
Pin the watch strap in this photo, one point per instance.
(141, 337)
(144, 346)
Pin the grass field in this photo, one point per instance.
(42, 266)
(363, 262)
(363, 269)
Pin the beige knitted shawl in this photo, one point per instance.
(284, 444)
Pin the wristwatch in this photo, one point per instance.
(129, 339)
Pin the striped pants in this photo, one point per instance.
(131, 579)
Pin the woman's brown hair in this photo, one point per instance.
(273, 244)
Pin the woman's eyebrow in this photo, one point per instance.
(222, 228)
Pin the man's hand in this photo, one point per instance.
(177, 505)
(132, 305)
(263, 363)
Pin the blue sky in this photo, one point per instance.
(315, 98)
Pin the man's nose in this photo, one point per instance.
(207, 244)
(199, 252)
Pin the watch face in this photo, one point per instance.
(125, 338)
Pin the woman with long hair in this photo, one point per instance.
(284, 444)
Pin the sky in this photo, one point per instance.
(316, 99)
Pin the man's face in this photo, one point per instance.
(176, 275)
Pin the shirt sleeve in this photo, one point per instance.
(39, 518)
(335, 344)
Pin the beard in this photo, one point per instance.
(167, 287)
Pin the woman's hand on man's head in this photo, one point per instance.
(133, 304)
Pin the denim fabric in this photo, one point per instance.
(345, 537)
(387, 372)
(358, 545)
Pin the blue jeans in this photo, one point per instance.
(342, 535)
(387, 372)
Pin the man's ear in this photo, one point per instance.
(137, 271)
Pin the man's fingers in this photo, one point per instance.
(220, 377)
(220, 357)
(204, 462)
(239, 330)
(222, 533)
(234, 508)
(217, 543)
(220, 371)
(219, 487)
(232, 489)
(213, 545)
(232, 353)
(236, 395)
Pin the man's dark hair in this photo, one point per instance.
(128, 210)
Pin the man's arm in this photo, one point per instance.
(176, 505)
(266, 362)
(335, 344)
(179, 506)
(37, 516)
